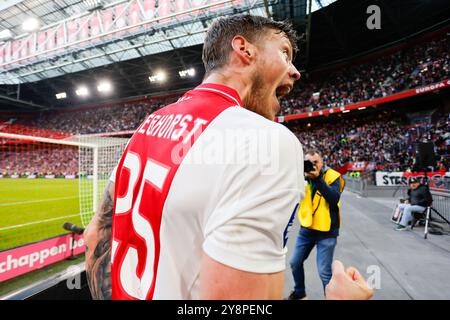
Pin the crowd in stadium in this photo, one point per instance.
(117, 117)
(29, 160)
(382, 139)
(418, 66)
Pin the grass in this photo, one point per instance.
(35, 209)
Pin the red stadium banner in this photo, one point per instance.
(238, 3)
(149, 9)
(51, 39)
(32, 45)
(41, 38)
(25, 47)
(15, 49)
(95, 26)
(221, 6)
(72, 28)
(357, 166)
(180, 6)
(120, 19)
(164, 10)
(7, 52)
(397, 96)
(134, 15)
(18, 261)
(60, 37)
(107, 20)
(84, 30)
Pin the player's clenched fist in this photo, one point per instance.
(347, 284)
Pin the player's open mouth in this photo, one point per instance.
(283, 90)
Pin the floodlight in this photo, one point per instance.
(82, 91)
(160, 76)
(104, 86)
(61, 95)
(187, 73)
(30, 24)
(5, 34)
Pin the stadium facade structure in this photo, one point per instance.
(121, 31)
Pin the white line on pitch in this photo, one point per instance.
(40, 221)
(33, 201)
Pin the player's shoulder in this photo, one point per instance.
(253, 120)
(250, 129)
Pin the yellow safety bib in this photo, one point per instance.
(314, 213)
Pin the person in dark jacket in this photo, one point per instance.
(419, 197)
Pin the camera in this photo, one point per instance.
(308, 166)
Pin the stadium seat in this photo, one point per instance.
(423, 218)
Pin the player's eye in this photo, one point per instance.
(286, 55)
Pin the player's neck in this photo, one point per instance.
(236, 81)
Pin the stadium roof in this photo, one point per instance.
(117, 31)
(14, 12)
(121, 40)
(129, 79)
(319, 4)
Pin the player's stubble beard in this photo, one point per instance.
(256, 100)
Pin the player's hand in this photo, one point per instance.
(347, 284)
(313, 174)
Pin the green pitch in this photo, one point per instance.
(35, 209)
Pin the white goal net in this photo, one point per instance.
(97, 158)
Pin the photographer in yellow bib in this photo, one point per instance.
(319, 215)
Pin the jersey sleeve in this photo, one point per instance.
(247, 229)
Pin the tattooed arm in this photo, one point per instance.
(98, 252)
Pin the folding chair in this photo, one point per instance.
(422, 217)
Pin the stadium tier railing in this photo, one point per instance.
(441, 203)
(369, 103)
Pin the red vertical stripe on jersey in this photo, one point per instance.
(205, 103)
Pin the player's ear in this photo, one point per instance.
(243, 49)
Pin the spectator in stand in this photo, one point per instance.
(58, 161)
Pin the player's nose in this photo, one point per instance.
(294, 73)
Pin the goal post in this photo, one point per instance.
(98, 156)
(45, 182)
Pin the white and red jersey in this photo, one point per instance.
(202, 175)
